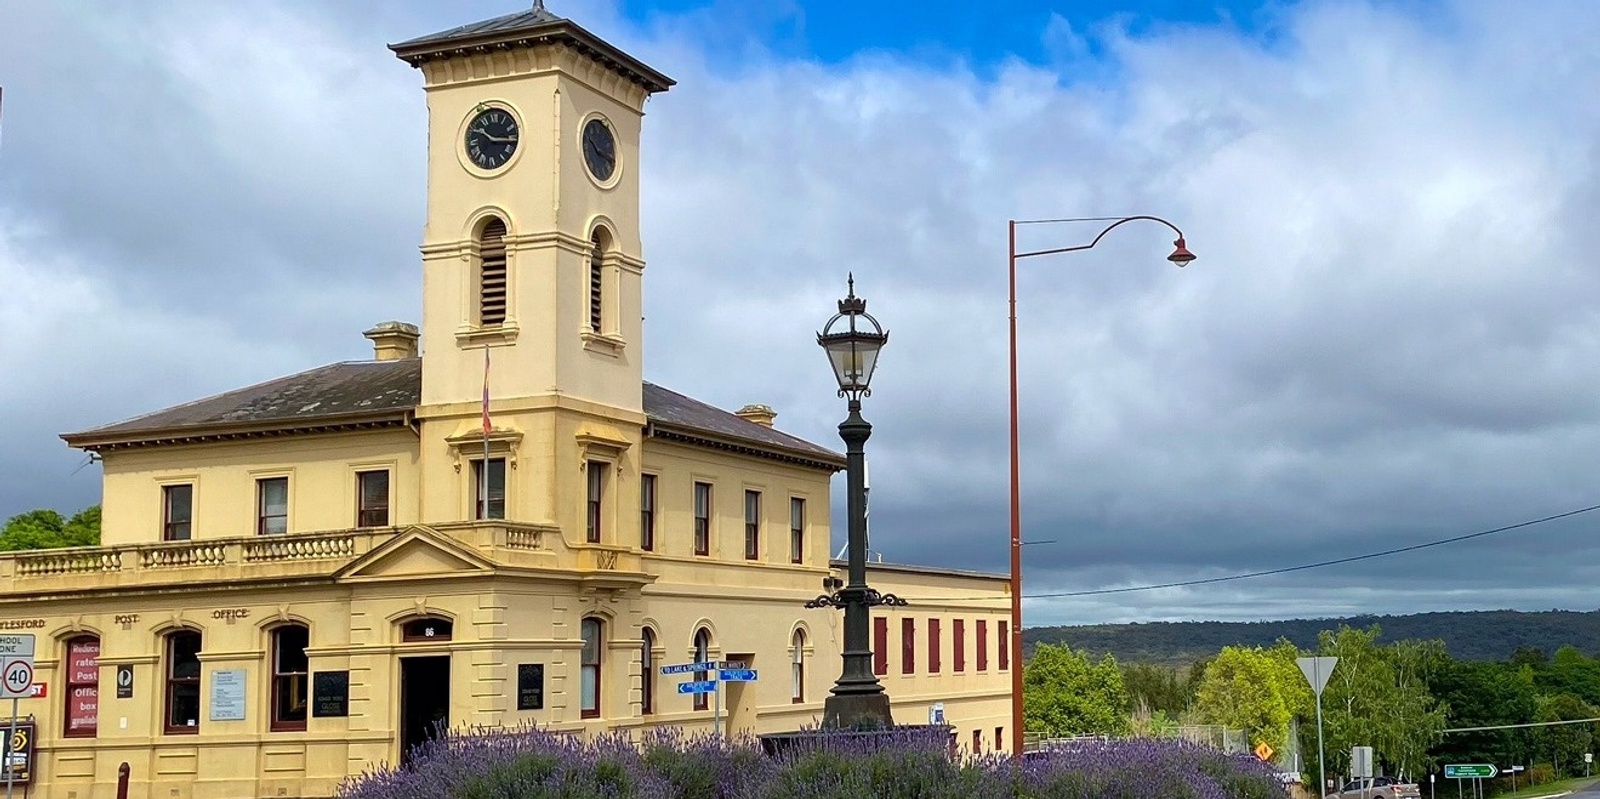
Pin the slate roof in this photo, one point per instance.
(357, 394)
(525, 29)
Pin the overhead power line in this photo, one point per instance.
(1319, 564)
(1287, 569)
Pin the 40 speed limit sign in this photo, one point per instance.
(16, 666)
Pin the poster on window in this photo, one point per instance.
(83, 687)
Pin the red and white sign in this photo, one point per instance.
(83, 686)
(39, 690)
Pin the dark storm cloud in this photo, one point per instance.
(1392, 334)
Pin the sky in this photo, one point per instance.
(1391, 336)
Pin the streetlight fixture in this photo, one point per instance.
(1181, 257)
(852, 339)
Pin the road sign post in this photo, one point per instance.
(1317, 671)
(16, 681)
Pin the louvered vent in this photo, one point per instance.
(596, 290)
(492, 292)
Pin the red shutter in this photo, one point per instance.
(933, 646)
(960, 645)
(880, 646)
(983, 645)
(908, 646)
(1005, 646)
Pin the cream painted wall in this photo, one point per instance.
(322, 483)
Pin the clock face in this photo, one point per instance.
(599, 149)
(492, 138)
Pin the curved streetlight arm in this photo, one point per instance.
(1108, 229)
(1180, 256)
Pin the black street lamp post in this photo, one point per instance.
(852, 339)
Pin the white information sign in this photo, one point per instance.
(227, 695)
(16, 666)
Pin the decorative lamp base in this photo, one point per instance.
(857, 712)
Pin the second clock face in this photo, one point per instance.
(492, 138)
(599, 149)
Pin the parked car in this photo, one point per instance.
(1377, 788)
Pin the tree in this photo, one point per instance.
(1258, 690)
(1064, 694)
(1564, 744)
(46, 529)
(1158, 689)
(1379, 697)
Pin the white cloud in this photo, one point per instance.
(1389, 336)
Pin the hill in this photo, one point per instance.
(1469, 635)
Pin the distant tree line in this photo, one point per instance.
(1468, 635)
(1397, 697)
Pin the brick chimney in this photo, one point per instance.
(392, 341)
(760, 414)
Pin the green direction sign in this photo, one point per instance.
(1471, 771)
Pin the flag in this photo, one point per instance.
(486, 425)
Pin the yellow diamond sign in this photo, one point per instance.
(1263, 751)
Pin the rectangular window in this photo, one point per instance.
(880, 646)
(982, 639)
(647, 512)
(272, 506)
(933, 646)
(183, 683)
(372, 499)
(82, 687)
(908, 646)
(702, 520)
(1004, 650)
(752, 525)
(177, 512)
(797, 530)
(589, 682)
(289, 675)
(597, 492)
(496, 494)
(958, 646)
(977, 742)
(999, 738)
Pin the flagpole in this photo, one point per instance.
(483, 473)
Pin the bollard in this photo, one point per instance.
(122, 781)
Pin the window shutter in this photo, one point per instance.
(492, 292)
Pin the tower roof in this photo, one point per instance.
(527, 29)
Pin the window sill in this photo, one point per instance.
(603, 343)
(497, 335)
(195, 730)
(288, 726)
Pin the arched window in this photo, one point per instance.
(183, 683)
(290, 673)
(647, 672)
(702, 653)
(492, 274)
(597, 252)
(82, 683)
(797, 668)
(591, 668)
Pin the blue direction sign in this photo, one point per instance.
(1469, 771)
(697, 687)
(737, 675)
(686, 668)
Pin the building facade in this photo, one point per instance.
(493, 522)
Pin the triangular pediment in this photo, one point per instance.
(415, 552)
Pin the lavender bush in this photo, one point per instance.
(533, 764)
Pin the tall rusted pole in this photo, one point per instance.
(1015, 643)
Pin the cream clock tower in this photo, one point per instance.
(532, 270)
